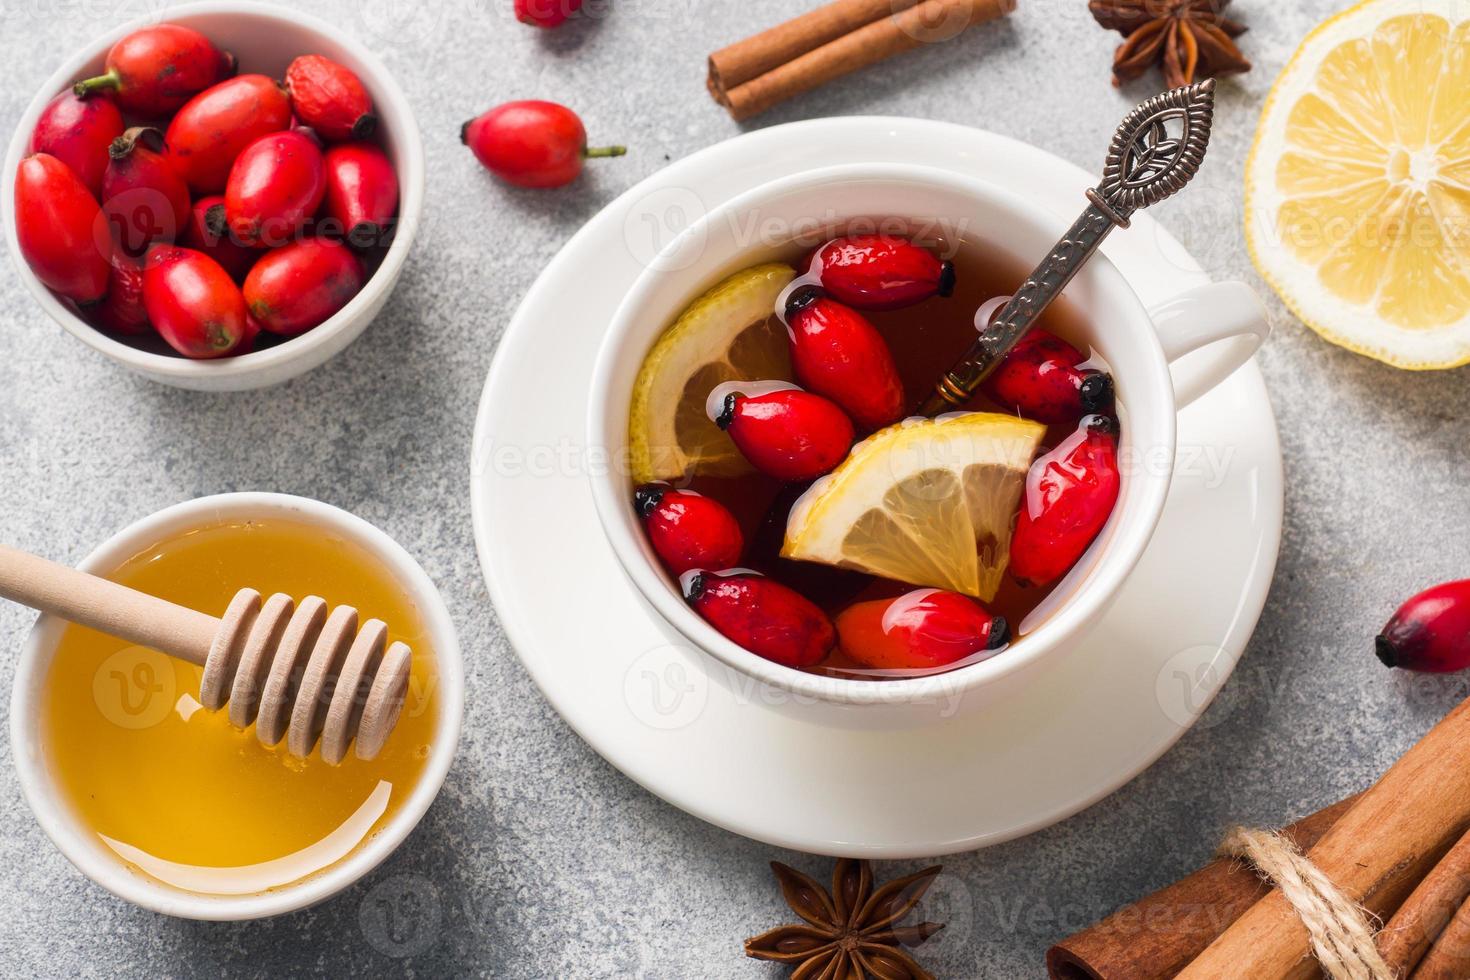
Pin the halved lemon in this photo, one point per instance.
(731, 333)
(1358, 186)
(929, 502)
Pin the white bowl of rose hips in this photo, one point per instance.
(231, 227)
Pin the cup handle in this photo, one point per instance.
(1227, 317)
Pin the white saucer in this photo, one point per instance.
(674, 721)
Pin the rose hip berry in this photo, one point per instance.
(77, 132)
(192, 302)
(763, 616)
(155, 70)
(925, 628)
(1430, 632)
(208, 232)
(276, 185)
(215, 126)
(532, 143)
(836, 352)
(789, 434)
(294, 288)
(60, 229)
(362, 192)
(144, 200)
(1069, 494)
(330, 99)
(545, 13)
(880, 272)
(1041, 380)
(122, 310)
(688, 530)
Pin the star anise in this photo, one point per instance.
(852, 932)
(1188, 38)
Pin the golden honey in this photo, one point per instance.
(175, 790)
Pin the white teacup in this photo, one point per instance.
(1224, 322)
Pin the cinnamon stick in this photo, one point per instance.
(1426, 913)
(1157, 936)
(810, 51)
(1375, 854)
(1449, 957)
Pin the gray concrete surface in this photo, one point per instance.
(539, 859)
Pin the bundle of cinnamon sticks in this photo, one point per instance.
(1401, 850)
(751, 76)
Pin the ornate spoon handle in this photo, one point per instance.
(1154, 153)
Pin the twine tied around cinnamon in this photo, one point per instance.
(1340, 929)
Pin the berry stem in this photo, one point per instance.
(91, 86)
(604, 151)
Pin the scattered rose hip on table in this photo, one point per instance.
(1069, 494)
(60, 228)
(1040, 378)
(77, 132)
(144, 200)
(298, 286)
(1430, 632)
(837, 353)
(880, 272)
(215, 127)
(688, 530)
(789, 434)
(923, 629)
(532, 143)
(192, 302)
(155, 70)
(207, 231)
(546, 13)
(276, 185)
(330, 99)
(761, 615)
(362, 192)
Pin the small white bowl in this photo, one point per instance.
(82, 846)
(265, 39)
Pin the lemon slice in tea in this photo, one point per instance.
(1358, 187)
(929, 502)
(731, 333)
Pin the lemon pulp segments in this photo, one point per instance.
(929, 502)
(730, 333)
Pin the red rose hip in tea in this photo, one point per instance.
(330, 99)
(276, 184)
(208, 232)
(296, 287)
(1430, 632)
(144, 200)
(121, 310)
(215, 126)
(925, 628)
(837, 353)
(532, 143)
(764, 616)
(880, 272)
(362, 192)
(788, 434)
(1041, 379)
(155, 70)
(688, 530)
(77, 132)
(1069, 494)
(192, 302)
(60, 228)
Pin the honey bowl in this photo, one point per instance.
(166, 805)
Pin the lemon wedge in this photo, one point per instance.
(731, 333)
(1358, 186)
(927, 501)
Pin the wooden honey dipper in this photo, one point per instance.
(294, 670)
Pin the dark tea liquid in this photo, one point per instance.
(926, 340)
